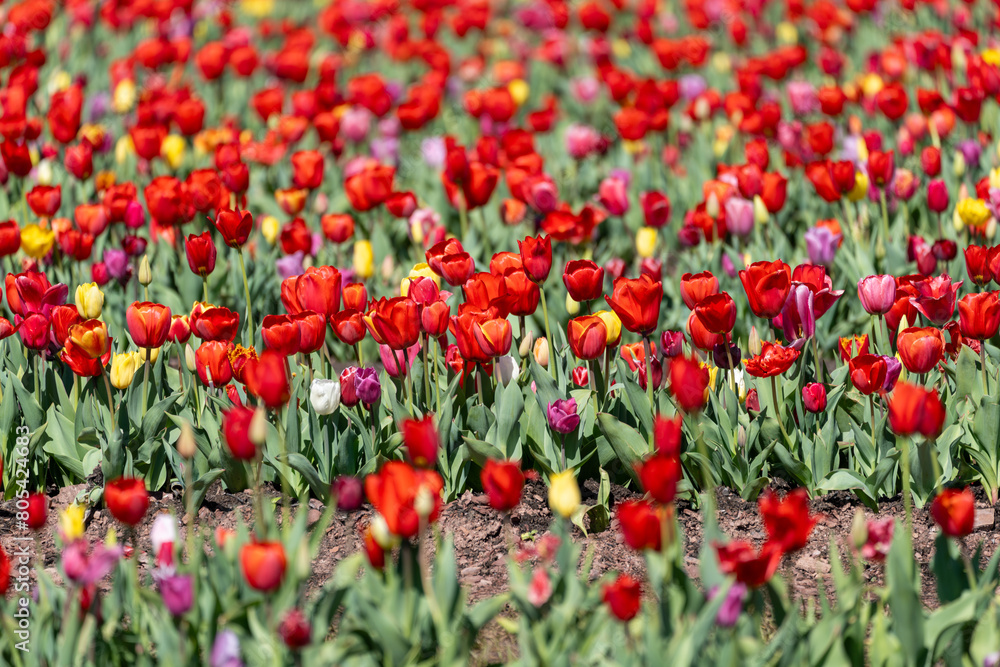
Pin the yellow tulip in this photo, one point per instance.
(787, 33)
(760, 213)
(860, 189)
(572, 307)
(364, 259)
(564, 493)
(71, 523)
(257, 8)
(89, 301)
(621, 48)
(172, 150)
(519, 90)
(645, 242)
(124, 96)
(124, 148)
(153, 357)
(612, 323)
(973, 212)
(37, 242)
(123, 368)
(270, 228)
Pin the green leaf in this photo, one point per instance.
(623, 439)
(302, 465)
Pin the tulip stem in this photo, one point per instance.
(246, 290)
(111, 398)
(405, 370)
(885, 216)
(38, 378)
(180, 368)
(204, 288)
(437, 385)
(357, 349)
(548, 334)
(876, 333)
(732, 369)
(907, 499)
(145, 381)
(427, 372)
(285, 489)
(648, 353)
(982, 363)
(258, 501)
(463, 220)
(817, 361)
(777, 410)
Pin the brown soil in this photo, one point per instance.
(482, 537)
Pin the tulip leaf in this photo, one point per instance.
(949, 570)
(482, 450)
(301, 464)
(636, 396)
(625, 441)
(30, 409)
(966, 375)
(154, 416)
(904, 596)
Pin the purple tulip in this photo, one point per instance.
(177, 591)
(86, 568)
(992, 660)
(226, 650)
(562, 416)
(731, 607)
(728, 266)
(290, 265)
(821, 245)
(671, 344)
(971, 151)
(893, 368)
(116, 262)
(798, 317)
(367, 385)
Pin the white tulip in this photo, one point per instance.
(324, 395)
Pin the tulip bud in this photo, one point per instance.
(859, 529)
(154, 354)
(364, 259)
(145, 272)
(542, 352)
(270, 227)
(959, 164)
(424, 502)
(712, 206)
(381, 533)
(189, 359)
(754, 344)
(324, 396)
(564, 494)
(258, 427)
(760, 212)
(186, 446)
(572, 307)
(123, 368)
(524, 349)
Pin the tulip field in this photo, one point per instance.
(541, 332)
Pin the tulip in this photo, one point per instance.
(503, 482)
(767, 285)
(787, 521)
(773, 360)
(937, 196)
(751, 568)
(659, 475)
(954, 511)
(89, 301)
(324, 396)
(91, 338)
(148, 324)
(536, 257)
(977, 265)
(979, 315)
(688, 384)
(822, 244)
(126, 499)
(367, 386)
(201, 254)
(877, 294)
(920, 349)
(177, 591)
(868, 373)
(38, 513)
(640, 525)
(267, 379)
(212, 363)
(123, 368)
(564, 493)
(420, 437)
(696, 287)
(814, 397)
(623, 597)
(581, 376)
(295, 630)
(493, 336)
(587, 337)
(717, 313)
(935, 298)
(913, 409)
(280, 334)
(562, 416)
(263, 565)
(395, 490)
(584, 280)
(226, 650)
(236, 432)
(637, 303)
(395, 322)
(235, 227)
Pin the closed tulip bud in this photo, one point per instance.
(564, 494)
(145, 272)
(524, 349)
(324, 396)
(186, 446)
(958, 165)
(760, 212)
(123, 368)
(572, 307)
(645, 242)
(859, 529)
(258, 426)
(754, 343)
(541, 352)
(89, 301)
(189, 359)
(712, 207)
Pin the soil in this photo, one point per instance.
(482, 537)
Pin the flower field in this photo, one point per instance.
(446, 332)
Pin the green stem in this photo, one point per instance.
(548, 334)
(777, 410)
(204, 286)
(648, 353)
(427, 372)
(885, 216)
(145, 381)
(982, 363)
(463, 220)
(816, 360)
(437, 385)
(246, 290)
(907, 498)
(111, 398)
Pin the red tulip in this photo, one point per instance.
(688, 384)
(267, 379)
(787, 521)
(814, 397)
(503, 482)
(913, 409)
(307, 169)
(394, 322)
(659, 475)
(318, 289)
(263, 565)
(717, 313)
(772, 360)
(38, 511)
(234, 226)
(201, 254)
(420, 437)
(214, 323)
(148, 324)
(697, 287)
(935, 298)
(868, 373)
(312, 331)
(584, 280)
(536, 257)
(623, 597)
(212, 363)
(281, 334)
(954, 511)
(640, 525)
(637, 303)
(767, 285)
(393, 491)
(126, 499)
(920, 349)
(587, 337)
(750, 567)
(979, 315)
(236, 431)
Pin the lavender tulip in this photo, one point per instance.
(821, 245)
(562, 416)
